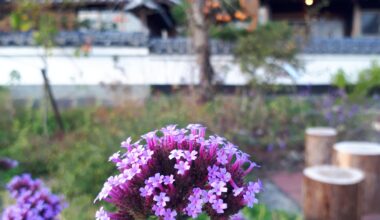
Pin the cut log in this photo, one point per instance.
(318, 145)
(331, 193)
(364, 156)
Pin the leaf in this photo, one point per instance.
(15, 20)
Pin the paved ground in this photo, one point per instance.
(275, 199)
(283, 190)
(290, 184)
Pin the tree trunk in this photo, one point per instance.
(200, 39)
(57, 114)
(319, 142)
(331, 193)
(366, 157)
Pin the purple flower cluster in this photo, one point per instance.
(337, 110)
(33, 200)
(176, 173)
(7, 163)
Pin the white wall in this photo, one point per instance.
(136, 66)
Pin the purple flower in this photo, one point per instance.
(216, 140)
(196, 202)
(168, 180)
(156, 180)
(101, 214)
(219, 187)
(250, 199)
(238, 216)
(178, 172)
(189, 156)
(250, 195)
(161, 199)
(210, 196)
(230, 149)
(33, 200)
(219, 206)
(170, 130)
(237, 191)
(222, 157)
(158, 210)
(6, 163)
(115, 157)
(255, 187)
(182, 167)
(177, 154)
(104, 192)
(170, 214)
(126, 144)
(150, 138)
(146, 191)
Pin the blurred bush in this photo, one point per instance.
(367, 83)
(269, 47)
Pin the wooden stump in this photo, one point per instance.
(331, 193)
(364, 156)
(318, 145)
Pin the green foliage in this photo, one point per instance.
(368, 80)
(340, 79)
(76, 164)
(46, 31)
(268, 47)
(178, 12)
(261, 212)
(31, 16)
(25, 15)
(228, 32)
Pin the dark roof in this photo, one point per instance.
(183, 45)
(76, 38)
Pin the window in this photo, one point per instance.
(370, 23)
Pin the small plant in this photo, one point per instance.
(33, 200)
(177, 175)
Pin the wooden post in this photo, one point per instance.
(318, 145)
(364, 156)
(331, 193)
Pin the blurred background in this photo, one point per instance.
(78, 77)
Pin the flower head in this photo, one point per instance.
(33, 200)
(178, 172)
(7, 163)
